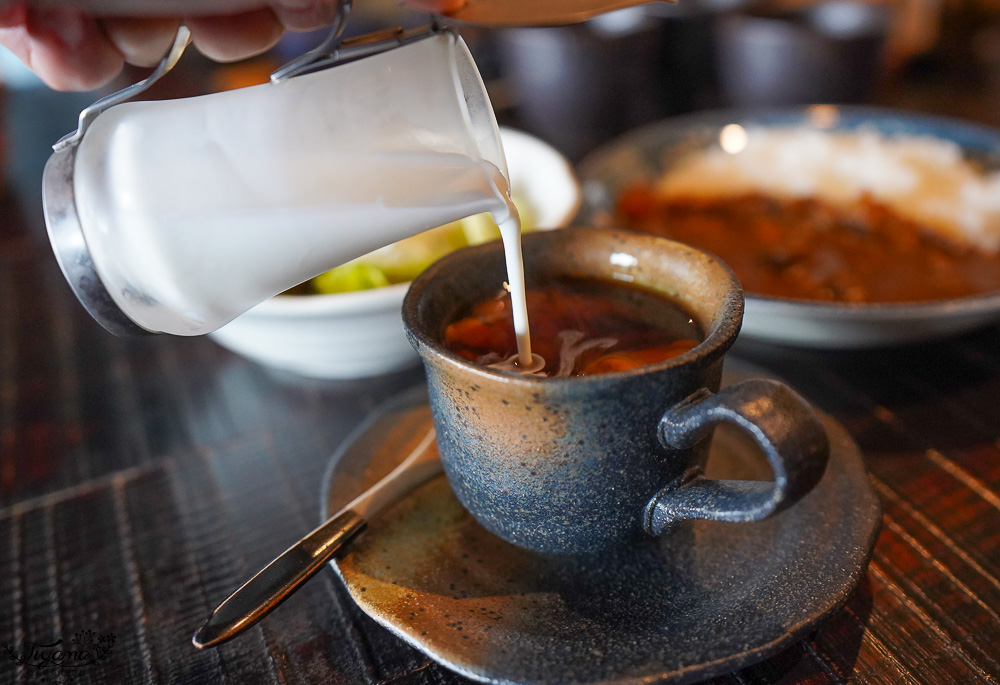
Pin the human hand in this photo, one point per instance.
(71, 49)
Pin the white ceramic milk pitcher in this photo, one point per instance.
(177, 216)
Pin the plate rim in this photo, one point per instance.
(410, 399)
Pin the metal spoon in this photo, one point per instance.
(276, 582)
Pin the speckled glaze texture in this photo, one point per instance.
(706, 600)
(785, 429)
(572, 465)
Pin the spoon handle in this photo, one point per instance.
(273, 584)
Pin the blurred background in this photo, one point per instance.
(578, 86)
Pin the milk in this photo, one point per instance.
(218, 254)
(195, 210)
(236, 240)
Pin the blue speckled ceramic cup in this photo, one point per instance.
(577, 465)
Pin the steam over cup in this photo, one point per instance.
(582, 464)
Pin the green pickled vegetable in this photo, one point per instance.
(403, 261)
(355, 275)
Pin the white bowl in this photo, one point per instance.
(360, 334)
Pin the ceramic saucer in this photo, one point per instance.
(706, 600)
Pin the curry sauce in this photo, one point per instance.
(809, 249)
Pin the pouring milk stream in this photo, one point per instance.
(195, 210)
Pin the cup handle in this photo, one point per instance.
(781, 423)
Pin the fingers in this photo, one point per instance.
(71, 50)
(142, 42)
(237, 36)
(66, 48)
(305, 15)
(13, 14)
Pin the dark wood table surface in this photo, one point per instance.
(142, 480)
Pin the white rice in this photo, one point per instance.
(923, 179)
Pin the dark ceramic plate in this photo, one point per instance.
(709, 599)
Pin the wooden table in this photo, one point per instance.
(142, 480)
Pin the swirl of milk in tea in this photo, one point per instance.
(583, 326)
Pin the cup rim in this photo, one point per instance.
(716, 343)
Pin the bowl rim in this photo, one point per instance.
(291, 306)
(883, 311)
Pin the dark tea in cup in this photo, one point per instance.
(580, 327)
